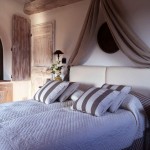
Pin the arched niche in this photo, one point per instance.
(6, 43)
(1, 60)
(105, 40)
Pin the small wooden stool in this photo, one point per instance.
(3, 95)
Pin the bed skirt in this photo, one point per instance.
(137, 145)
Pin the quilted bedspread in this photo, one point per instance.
(13, 110)
(64, 129)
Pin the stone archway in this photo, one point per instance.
(1, 60)
(6, 44)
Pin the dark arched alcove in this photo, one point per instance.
(1, 60)
(106, 40)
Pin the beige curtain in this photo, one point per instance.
(127, 40)
(81, 51)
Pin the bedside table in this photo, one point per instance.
(6, 92)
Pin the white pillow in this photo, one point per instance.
(117, 102)
(121, 88)
(95, 101)
(50, 91)
(70, 89)
(76, 95)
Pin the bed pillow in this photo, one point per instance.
(122, 88)
(95, 101)
(76, 95)
(50, 91)
(144, 100)
(117, 102)
(70, 89)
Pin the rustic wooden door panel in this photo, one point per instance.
(42, 55)
(21, 49)
(43, 44)
(43, 41)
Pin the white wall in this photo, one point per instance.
(69, 20)
(7, 9)
(21, 90)
(136, 13)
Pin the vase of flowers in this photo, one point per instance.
(56, 70)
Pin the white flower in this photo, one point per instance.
(56, 68)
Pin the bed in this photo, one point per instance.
(34, 125)
(13, 110)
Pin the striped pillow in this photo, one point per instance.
(117, 102)
(76, 95)
(50, 91)
(122, 88)
(144, 100)
(95, 101)
(70, 89)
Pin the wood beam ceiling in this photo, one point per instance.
(37, 6)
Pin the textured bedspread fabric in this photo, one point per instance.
(13, 110)
(133, 104)
(64, 129)
(67, 130)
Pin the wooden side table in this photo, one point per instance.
(6, 92)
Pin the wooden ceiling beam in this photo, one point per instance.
(37, 6)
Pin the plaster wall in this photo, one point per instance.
(136, 14)
(69, 21)
(21, 90)
(7, 9)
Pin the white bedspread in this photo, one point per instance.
(13, 110)
(134, 105)
(64, 129)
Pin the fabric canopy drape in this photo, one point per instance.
(127, 40)
(81, 51)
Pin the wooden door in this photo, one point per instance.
(43, 41)
(21, 49)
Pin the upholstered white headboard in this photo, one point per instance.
(138, 78)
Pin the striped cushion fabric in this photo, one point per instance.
(117, 102)
(145, 102)
(76, 95)
(50, 91)
(122, 88)
(70, 89)
(95, 101)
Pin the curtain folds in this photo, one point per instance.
(80, 53)
(127, 40)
